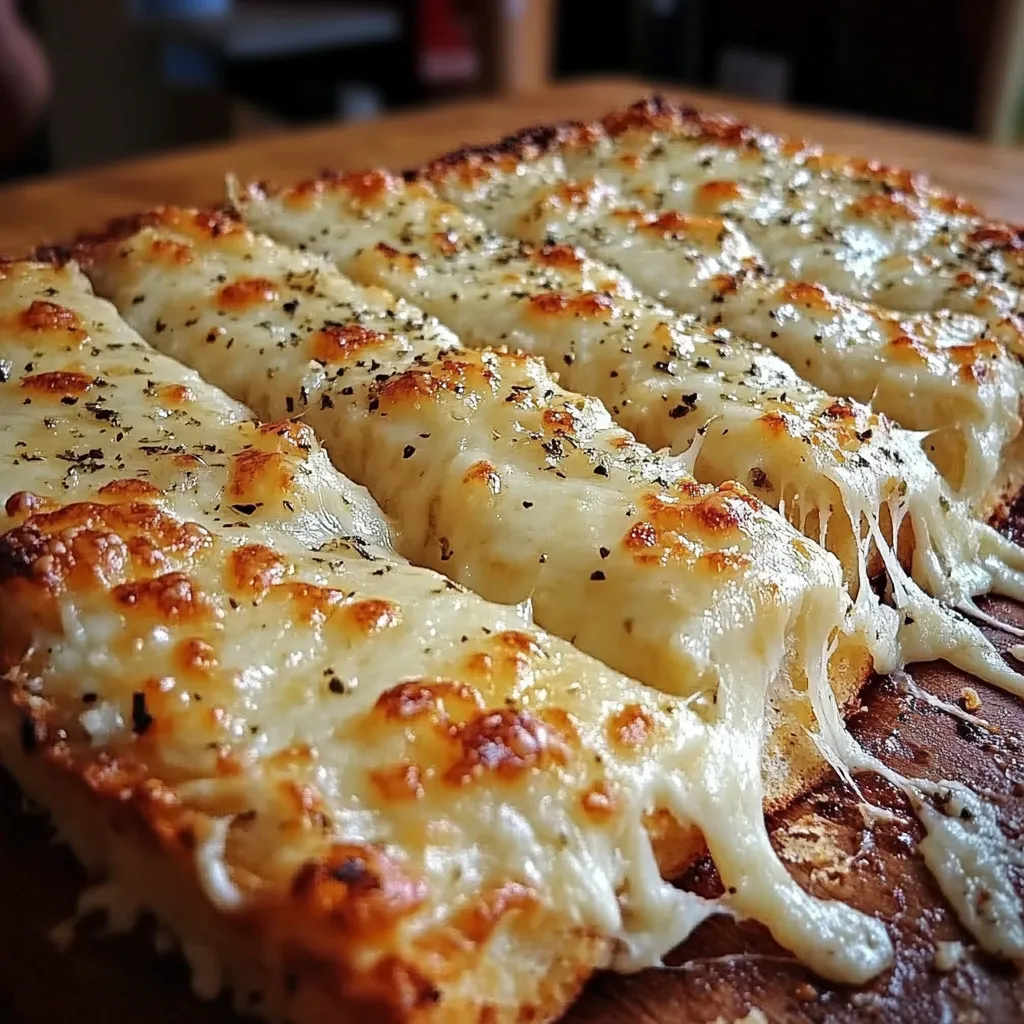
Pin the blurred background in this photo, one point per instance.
(91, 81)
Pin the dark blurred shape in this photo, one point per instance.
(25, 90)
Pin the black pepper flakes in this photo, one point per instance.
(30, 734)
(141, 718)
(408, 451)
(597, 575)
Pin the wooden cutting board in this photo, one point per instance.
(55, 209)
(725, 969)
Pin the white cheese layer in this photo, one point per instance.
(486, 451)
(843, 475)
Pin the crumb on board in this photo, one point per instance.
(969, 699)
(947, 956)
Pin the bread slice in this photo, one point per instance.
(350, 787)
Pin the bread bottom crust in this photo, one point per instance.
(1008, 486)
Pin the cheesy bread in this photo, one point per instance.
(946, 372)
(482, 459)
(313, 679)
(867, 230)
(346, 785)
(844, 475)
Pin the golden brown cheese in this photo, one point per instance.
(349, 786)
(866, 230)
(842, 474)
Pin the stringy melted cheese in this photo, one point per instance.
(843, 475)
(382, 771)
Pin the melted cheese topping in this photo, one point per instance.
(965, 849)
(869, 231)
(963, 860)
(863, 232)
(482, 459)
(843, 474)
(943, 371)
(378, 767)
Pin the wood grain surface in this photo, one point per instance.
(56, 208)
(726, 968)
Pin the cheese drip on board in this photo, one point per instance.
(843, 475)
(943, 372)
(964, 847)
(656, 576)
(370, 763)
(872, 232)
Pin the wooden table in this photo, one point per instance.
(56, 208)
(725, 969)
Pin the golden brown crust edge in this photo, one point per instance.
(658, 113)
